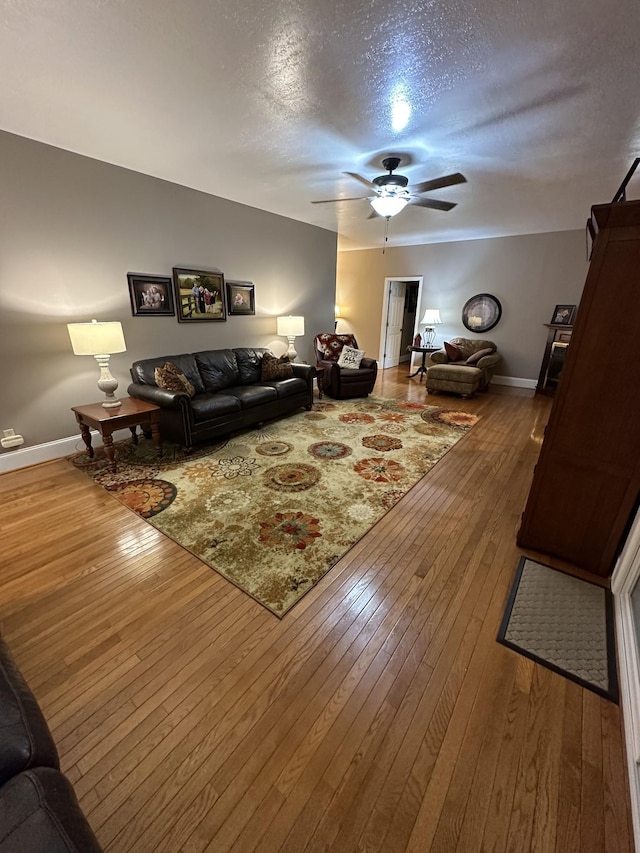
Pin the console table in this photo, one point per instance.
(558, 338)
(131, 413)
(424, 350)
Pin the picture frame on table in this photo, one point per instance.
(563, 315)
(200, 295)
(241, 298)
(150, 295)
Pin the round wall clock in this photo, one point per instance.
(481, 312)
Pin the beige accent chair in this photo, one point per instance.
(466, 375)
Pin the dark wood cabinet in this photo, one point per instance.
(555, 352)
(586, 484)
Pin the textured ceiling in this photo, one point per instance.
(268, 103)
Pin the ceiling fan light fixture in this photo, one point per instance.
(388, 205)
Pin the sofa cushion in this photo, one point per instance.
(350, 358)
(143, 371)
(25, 739)
(249, 361)
(468, 346)
(288, 387)
(355, 375)
(218, 369)
(455, 373)
(39, 813)
(475, 357)
(253, 395)
(207, 406)
(172, 378)
(330, 345)
(453, 351)
(275, 368)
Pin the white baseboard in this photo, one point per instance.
(26, 456)
(515, 382)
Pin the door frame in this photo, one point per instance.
(385, 308)
(625, 576)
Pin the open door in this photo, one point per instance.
(393, 317)
(395, 312)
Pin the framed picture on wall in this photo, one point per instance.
(481, 313)
(200, 296)
(563, 315)
(150, 295)
(241, 297)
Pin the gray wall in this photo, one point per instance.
(71, 228)
(529, 274)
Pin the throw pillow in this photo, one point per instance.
(475, 358)
(453, 351)
(275, 368)
(350, 358)
(171, 378)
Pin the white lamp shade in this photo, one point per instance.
(388, 205)
(431, 317)
(96, 338)
(291, 326)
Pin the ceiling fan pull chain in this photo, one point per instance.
(386, 233)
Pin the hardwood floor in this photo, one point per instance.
(379, 715)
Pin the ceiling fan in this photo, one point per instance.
(392, 192)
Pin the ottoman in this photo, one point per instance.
(455, 378)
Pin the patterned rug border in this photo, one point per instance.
(612, 694)
(207, 450)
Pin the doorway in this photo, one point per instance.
(399, 319)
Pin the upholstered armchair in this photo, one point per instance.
(463, 366)
(339, 382)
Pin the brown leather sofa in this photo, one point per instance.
(39, 812)
(229, 393)
(342, 383)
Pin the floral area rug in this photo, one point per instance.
(274, 509)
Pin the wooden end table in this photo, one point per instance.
(130, 413)
(319, 380)
(424, 350)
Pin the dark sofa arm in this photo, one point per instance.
(152, 394)
(25, 739)
(304, 371)
(39, 813)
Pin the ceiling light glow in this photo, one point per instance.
(400, 110)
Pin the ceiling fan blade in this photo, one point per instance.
(361, 179)
(332, 200)
(439, 183)
(373, 215)
(432, 203)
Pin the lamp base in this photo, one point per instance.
(111, 403)
(291, 352)
(428, 337)
(107, 383)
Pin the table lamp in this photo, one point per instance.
(431, 318)
(99, 340)
(291, 328)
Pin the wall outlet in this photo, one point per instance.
(11, 439)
